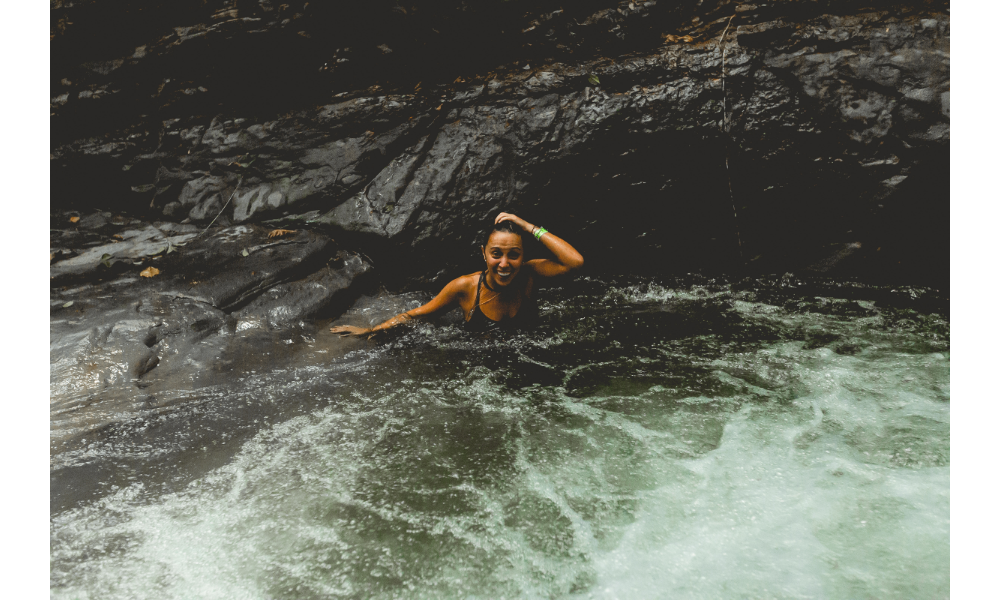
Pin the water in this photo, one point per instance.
(691, 441)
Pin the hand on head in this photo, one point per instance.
(513, 218)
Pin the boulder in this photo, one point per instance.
(755, 134)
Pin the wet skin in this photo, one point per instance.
(504, 257)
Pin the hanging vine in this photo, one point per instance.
(725, 133)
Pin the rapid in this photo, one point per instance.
(697, 438)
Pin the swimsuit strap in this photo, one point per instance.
(479, 288)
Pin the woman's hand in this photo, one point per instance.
(346, 330)
(567, 258)
(526, 226)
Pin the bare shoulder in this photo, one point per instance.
(464, 284)
(455, 292)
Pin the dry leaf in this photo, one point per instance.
(118, 236)
(74, 219)
(51, 256)
(150, 272)
(279, 232)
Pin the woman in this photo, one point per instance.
(502, 295)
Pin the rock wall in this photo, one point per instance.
(656, 137)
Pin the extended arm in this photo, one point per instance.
(448, 297)
(567, 258)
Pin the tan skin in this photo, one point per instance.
(503, 291)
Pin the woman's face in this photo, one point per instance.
(503, 254)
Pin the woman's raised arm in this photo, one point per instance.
(567, 258)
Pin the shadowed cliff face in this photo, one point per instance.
(657, 137)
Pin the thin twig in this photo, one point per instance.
(223, 206)
(725, 133)
(253, 249)
(721, 47)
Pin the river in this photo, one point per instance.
(767, 438)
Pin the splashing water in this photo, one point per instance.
(697, 441)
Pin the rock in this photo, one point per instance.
(330, 290)
(922, 94)
(208, 266)
(173, 334)
(213, 268)
(785, 110)
(135, 244)
(835, 260)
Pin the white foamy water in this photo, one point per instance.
(642, 442)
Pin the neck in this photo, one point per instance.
(498, 289)
(486, 282)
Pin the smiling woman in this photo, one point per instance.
(502, 294)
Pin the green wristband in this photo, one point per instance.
(538, 234)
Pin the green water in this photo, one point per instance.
(694, 441)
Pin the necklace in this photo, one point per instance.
(494, 297)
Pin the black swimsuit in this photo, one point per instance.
(525, 315)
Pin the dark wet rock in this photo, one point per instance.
(131, 244)
(835, 260)
(230, 266)
(819, 339)
(328, 290)
(224, 267)
(847, 349)
(433, 187)
(122, 343)
(832, 128)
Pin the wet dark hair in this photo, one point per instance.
(507, 226)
